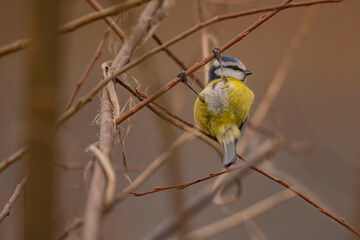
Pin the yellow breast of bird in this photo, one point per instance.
(225, 103)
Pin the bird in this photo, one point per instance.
(222, 108)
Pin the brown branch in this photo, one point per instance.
(91, 64)
(16, 194)
(153, 107)
(202, 199)
(13, 158)
(14, 46)
(185, 185)
(86, 99)
(240, 217)
(76, 23)
(76, 223)
(108, 20)
(340, 220)
(176, 59)
(158, 162)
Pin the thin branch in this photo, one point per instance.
(88, 68)
(86, 99)
(14, 46)
(109, 20)
(340, 220)
(236, 219)
(74, 24)
(125, 165)
(16, 194)
(202, 199)
(153, 107)
(76, 223)
(13, 158)
(176, 59)
(185, 185)
(155, 165)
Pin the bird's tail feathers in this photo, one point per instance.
(230, 155)
(227, 136)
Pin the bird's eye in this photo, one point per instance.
(234, 67)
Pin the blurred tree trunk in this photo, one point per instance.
(42, 111)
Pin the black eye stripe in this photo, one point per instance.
(234, 68)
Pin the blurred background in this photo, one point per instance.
(315, 113)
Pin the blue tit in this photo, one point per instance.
(222, 108)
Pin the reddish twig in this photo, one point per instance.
(182, 186)
(91, 64)
(340, 220)
(109, 20)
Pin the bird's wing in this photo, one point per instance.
(242, 127)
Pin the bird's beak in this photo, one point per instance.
(247, 72)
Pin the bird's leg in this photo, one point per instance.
(182, 75)
(218, 57)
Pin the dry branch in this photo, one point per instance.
(74, 24)
(168, 225)
(240, 217)
(16, 194)
(109, 20)
(13, 158)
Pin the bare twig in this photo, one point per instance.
(340, 220)
(202, 199)
(109, 20)
(183, 186)
(16, 194)
(155, 165)
(125, 165)
(13, 158)
(240, 217)
(77, 222)
(14, 46)
(88, 68)
(74, 24)
(176, 59)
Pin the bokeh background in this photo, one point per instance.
(316, 114)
